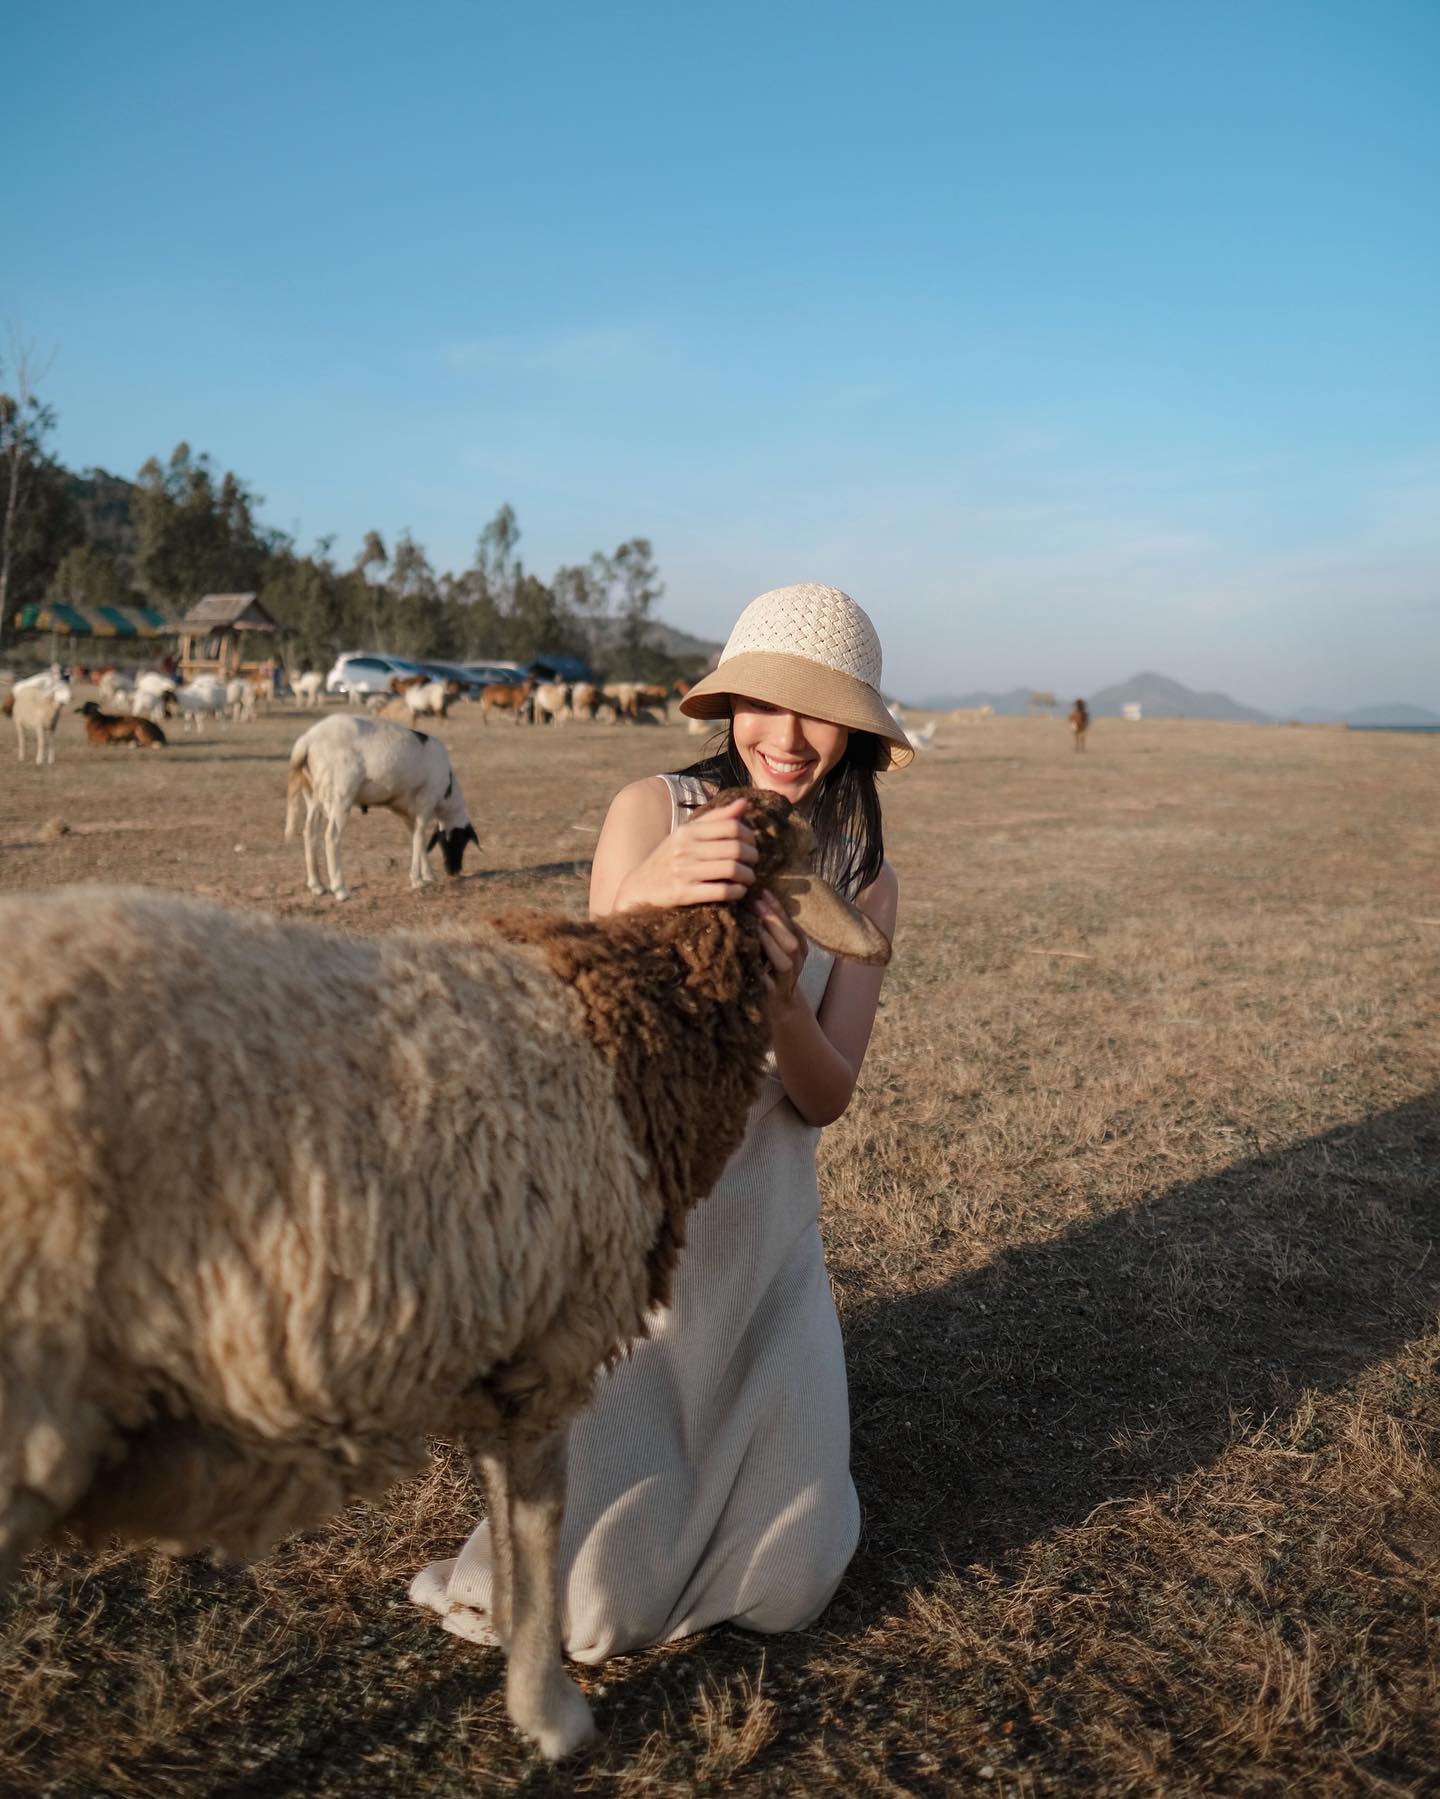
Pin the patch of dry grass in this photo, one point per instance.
(1133, 1229)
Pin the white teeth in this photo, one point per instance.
(782, 768)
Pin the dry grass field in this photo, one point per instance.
(1135, 1231)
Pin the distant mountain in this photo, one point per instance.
(1160, 697)
(607, 635)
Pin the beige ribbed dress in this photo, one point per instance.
(710, 1478)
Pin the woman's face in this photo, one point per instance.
(785, 752)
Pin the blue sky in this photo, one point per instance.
(1073, 339)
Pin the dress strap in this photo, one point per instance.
(686, 793)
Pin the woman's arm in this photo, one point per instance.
(640, 861)
(819, 1057)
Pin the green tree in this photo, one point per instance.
(307, 597)
(496, 558)
(90, 577)
(197, 535)
(38, 520)
(640, 586)
(537, 623)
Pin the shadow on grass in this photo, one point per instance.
(1014, 1401)
(1005, 1405)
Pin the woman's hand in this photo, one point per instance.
(784, 945)
(703, 860)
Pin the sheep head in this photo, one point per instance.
(787, 850)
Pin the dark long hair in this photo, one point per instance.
(844, 812)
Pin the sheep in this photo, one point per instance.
(109, 727)
(202, 698)
(922, 737)
(620, 695)
(552, 703)
(114, 684)
(309, 688)
(430, 698)
(36, 709)
(437, 1197)
(240, 698)
(350, 760)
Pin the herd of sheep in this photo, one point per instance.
(221, 1318)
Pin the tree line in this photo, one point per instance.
(184, 528)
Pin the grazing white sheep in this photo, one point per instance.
(437, 1195)
(202, 698)
(350, 760)
(922, 738)
(240, 698)
(115, 684)
(309, 689)
(37, 709)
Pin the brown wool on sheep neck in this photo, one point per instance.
(677, 1002)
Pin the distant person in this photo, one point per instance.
(1079, 723)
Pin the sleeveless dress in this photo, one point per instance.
(709, 1479)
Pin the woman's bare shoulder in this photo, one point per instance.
(880, 901)
(644, 802)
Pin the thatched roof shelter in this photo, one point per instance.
(226, 634)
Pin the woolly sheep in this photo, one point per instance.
(437, 1196)
(430, 697)
(198, 700)
(350, 760)
(309, 689)
(37, 709)
(552, 703)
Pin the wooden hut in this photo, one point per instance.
(228, 634)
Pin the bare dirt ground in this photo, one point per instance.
(1133, 1226)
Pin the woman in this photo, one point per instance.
(710, 1478)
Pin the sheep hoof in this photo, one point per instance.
(315, 887)
(342, 893)
(568, 1727)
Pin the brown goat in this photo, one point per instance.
(110, 727)
(500, 696)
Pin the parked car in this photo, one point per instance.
(493, 674)
(472, 677)
(364, 673)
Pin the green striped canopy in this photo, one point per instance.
(94, 621)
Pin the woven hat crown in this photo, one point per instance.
(820, 623)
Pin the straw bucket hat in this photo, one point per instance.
(809, 649)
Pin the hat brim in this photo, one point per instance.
(803, 686)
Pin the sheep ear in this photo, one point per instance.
(434, 838)
(831, 921)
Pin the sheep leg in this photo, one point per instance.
(420, 874)
(333, 828)
(494, 1472)
(540, 1696)
(310, 833)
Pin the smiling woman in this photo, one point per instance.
(710, 1479)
